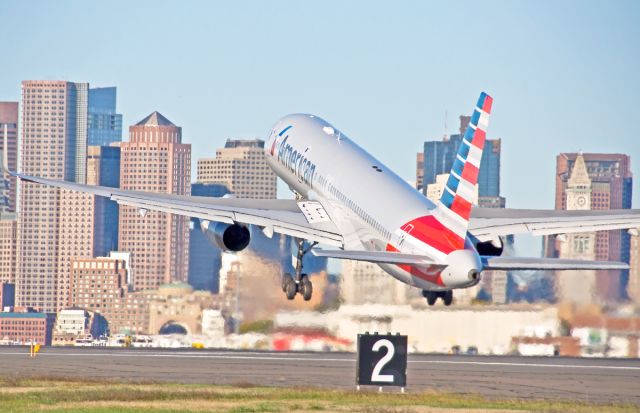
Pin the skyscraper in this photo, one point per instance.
(103, 168)
(439, 156)
(54, 117)
(419, 170)
(633, 289)
(242, 167)
(8, 219)
(610, 188)
(88, 223)
(155, 159)
(9, 133)
(75, 238)
(80, 92)
(105, 125)
(8, 238)
(204, 257)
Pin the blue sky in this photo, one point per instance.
(565, 75)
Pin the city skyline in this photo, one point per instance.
(393, 77)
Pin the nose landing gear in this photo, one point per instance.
(300, 283)
(432, 296)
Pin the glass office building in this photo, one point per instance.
(105, 125)
(439, 157)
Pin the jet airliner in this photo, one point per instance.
(359, 209)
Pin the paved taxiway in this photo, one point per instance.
(593, 380)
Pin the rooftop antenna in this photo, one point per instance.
(445, 137)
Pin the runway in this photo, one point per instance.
(592, 380)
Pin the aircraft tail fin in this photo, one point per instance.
(454, 208)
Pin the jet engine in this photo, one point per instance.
(462, 270)
(229, 237)
(491, 248)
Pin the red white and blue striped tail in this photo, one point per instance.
(456, 201)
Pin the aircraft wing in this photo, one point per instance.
(489, 223)
(280, 216)
(531, 263)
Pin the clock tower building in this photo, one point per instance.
(578, 286)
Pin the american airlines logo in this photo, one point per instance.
(296, 162)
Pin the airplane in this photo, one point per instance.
(350, 202)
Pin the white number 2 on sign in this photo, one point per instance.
(376, 376)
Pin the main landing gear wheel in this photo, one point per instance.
(432, 297)
(447, 299)
(306, 288)
(291, 289)
(285, 280)
(299, 283)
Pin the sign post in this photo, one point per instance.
(382, 360)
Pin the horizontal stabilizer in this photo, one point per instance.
(532, 263)
(381, 257)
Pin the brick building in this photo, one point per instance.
(53, 145)
(242, 167)
(23, 327)
(8, 243)
(100, 285)
(155, 160)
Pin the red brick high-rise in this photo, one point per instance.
(155, 160)
(53, 145)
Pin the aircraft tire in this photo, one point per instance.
(291, 289)
(447, 297)
(306, 288)
(285, 280)
(431, 296)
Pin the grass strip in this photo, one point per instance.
(106, 396)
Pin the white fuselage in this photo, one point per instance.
(367, 201)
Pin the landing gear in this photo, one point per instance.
(306, 288)
(432, 296)
(290, 289)
(447, 298)
(300, 283)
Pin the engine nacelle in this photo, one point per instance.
(492, 248)
(229, 237)
(462, 270)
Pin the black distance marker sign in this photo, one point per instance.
(382, 360)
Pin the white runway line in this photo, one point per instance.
(284, 357)
(183, 355)
(498, 363)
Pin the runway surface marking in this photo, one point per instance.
(496, 363)
(259, 356)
